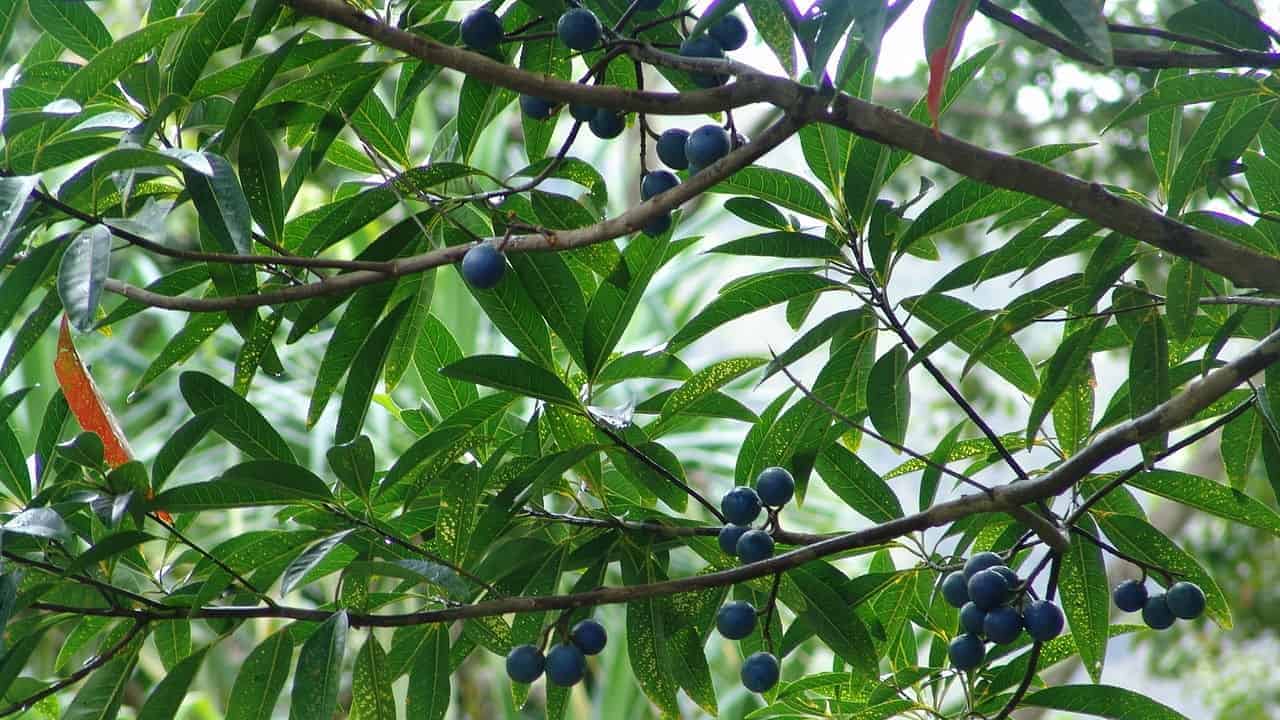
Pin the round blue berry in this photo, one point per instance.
(589, 636)
(483, 266)
(706, 145)
(728, 538)
(741, 505)
(1156, 613)
(481, 30)
(580, 29)
(1186, 600)
(582, 112)
(1010, 577)
(1043, 620)
(536, 107)
(703, 46)
(760, 672)
(671, 148)
(1002, 625)
(955, 590)
(972, 618)
(754, 546)
(775, 486)
(566, 665)
(980, 562)
(607, 124)
(1130, 595)
(988, 590)
(658, 225)
(525, 663)
(656, 183)
(736, 620)
(729, 31)
(966, 651)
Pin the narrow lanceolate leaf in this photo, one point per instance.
(74, 24)
(309, 559)
(260, 177)
(1189, 90)
(647, 627)
(704, 383)
(1149, 374)
(854, 482)
(1102, 701)
(436, 348)
(1073, 411)
(200, 42)
(100, 696)
(513, 374)
(428, 694)
(1065, 365)
(778, 187)
(240, 423)
(82, 273)
(940, 456)
(944, 25)
(111, 62)
(249, 484)
(1081, 22)
(1209, 496)
(889, 394)
(1241, 439)
(166, 697)
(616, 299)
(362, 381)
(830, 617)
(448, 437)
(222, 206)
(261, 678)
(371, 695)
(14, 192)
(1085, 599)
(1186, 283)
(319, 672)
(86, 402)
(1005, 358)
(753, 294)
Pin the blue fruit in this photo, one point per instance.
(483, 266)
(955, 590)
(582, 112)
(1156, 613)
(580, 29)
(671, 148)
(1043, 620)
(566, 665)
(1010, 577)
(481, 30)
(736, 620)
(760, 672)
(706, 145)
(988, 590)
(525, 663)
(980, 562)
(1002, 625)
(607, 124)
(658, 225)
(536, 107)
(1186, 600)
(729, 31)
(728, 538)
(754, 546)
(775, 486)
(656, 183)
(972, 618)
(741, 505)
(1130, 595)
(966, 651)
(589, 636)
(703, 46)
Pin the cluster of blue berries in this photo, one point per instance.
(741, 506)
(994, 606)
(1182, 601)
(565, 664)
(727, 33)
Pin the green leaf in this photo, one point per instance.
(555, 291)
(198, 328)
(100, 696)
(702, 384)
(428, 694)
(73, 23)
(363, 378)
(210, 33)
(446, 436)
(222, 206)
(239, 423)
(14, 192)
(167, 696)
(748, 296)
(40, 522)
(352, 462)
(352, 333)
(1186, 282)
(1241, 439)
(319, 671)
(371, 695)
(513, 374)
(249, 484)
(260, 176)
(1073, 411)
(830, 617)
(1213, 20)
(255, 83)
(647, 629)
(512, 310)
(616, 299)
(261, 678)
(1081, 22)
(1149, 375)
(1102, 701)
(854, 482)
(1086, 599)
(19, 282)
(1068, 361)
(1209, 496)
(778, 187)
(940, 456)
(309, 559)
(757, 212)
(263, 12)
(1199, 156)
(1005, 358)
(114, 59)
(771, 22)
(889, 394)
(1189, 90)
(435, 349)
(82, 274)
(108, 547)
(782, 245)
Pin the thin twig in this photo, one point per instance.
(244, 582)
(81, 672)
